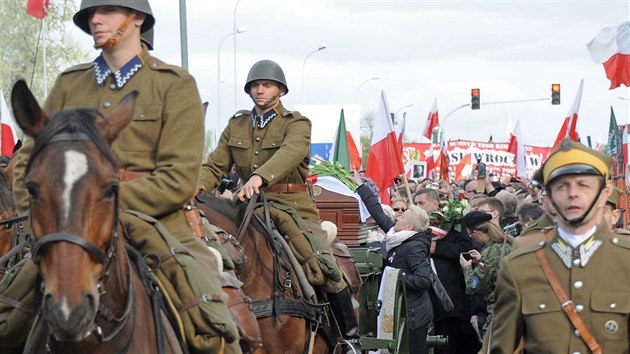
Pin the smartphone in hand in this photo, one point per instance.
(466, 256)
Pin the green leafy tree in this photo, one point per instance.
(21, 55)
(367, 130)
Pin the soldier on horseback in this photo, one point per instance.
(270, 148)
(159, 154)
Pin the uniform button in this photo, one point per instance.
(542, 306)
(577, 333)
(576, 262)
(255, 166)
(615, 240)
(257, 138)
(141, 115)
(579, 308)
(239, 143)
(612, 306)
(273, 176)
(154, 65)
(577, 353)
(541, 243)
(578, 284)
(112, 86)
(106, 104)
(273, 144)
(256, 152)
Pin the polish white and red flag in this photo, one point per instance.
(432, 121)
(611, 47)
(517, 147)
(8, 136)
(569, 127)
(384, 161)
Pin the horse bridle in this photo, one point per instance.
(105, 258)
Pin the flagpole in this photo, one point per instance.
(409, 196)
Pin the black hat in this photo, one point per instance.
(475, 218)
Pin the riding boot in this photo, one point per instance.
(341, 306)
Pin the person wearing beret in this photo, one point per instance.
(587, 308)
(480, 272)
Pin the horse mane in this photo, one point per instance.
(73, 121)
(6, 196)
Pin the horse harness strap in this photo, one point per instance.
(287, 188)
(96, 253)
(263, 308)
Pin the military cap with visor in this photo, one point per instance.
(266, 70)
(81, 17)
(573, 158)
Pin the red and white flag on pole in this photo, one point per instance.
(384, 162)
(569, 127)
(401, 135)
(429, 157)
(464, 167)
(8, 134)
(611, 47)
(37, 8)
(432, 121)
(517, 147)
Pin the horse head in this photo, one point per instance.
(72, 179)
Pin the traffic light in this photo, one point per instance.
(474, 98)
(555, 94)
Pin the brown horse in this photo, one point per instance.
(8, 224)
(93, 300)
(286, 319)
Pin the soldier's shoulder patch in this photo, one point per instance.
(241, 113)
(77, 68)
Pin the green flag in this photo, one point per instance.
(340, 149)
(614, 142)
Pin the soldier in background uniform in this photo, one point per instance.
(270, 147)
(159, 154)
(581, 253)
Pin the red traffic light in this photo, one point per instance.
(555, 94)
(475, 92)
(475, 102)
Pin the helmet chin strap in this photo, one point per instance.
(113, 41)
(577, 221)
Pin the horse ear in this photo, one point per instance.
(27, 112)
(113, 124)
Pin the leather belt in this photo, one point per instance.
(287, 188)
(126, 175)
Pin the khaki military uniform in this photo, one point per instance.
(541, 223)
(595, 276)
(165, 141)
(279, 153)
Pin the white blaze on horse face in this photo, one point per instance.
(76, 167)
(65, 308)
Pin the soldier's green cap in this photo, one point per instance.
(570, 158)
(81, 17)
(614, 196)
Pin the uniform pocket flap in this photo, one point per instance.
(610, 301)
(271, 143)
(540, 302)
(147, 112)
(239, 142)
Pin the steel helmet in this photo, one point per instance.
(81, 17)
(266, 70)
(147, 38)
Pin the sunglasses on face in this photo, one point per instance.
(400, 209)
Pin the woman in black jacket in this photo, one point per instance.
(407, 246)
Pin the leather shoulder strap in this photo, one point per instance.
(567, 304)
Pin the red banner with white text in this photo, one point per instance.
(494, 155)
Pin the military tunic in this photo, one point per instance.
(279, 153)
(595, 276)
(482, 279)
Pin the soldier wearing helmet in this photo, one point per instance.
(270, 148)
(159, 153)
(558, 294)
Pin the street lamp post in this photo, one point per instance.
(234, 30)
(321, 47)
(238, 30)
(400, 109)
(356, 93)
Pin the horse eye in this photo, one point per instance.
(33, 190)
(110, 191)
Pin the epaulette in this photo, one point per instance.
(79, 67)
(621, 238)
(156, 64)
(536, 244)
(242, 113)
(290, 114)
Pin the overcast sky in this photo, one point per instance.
(422, 50)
